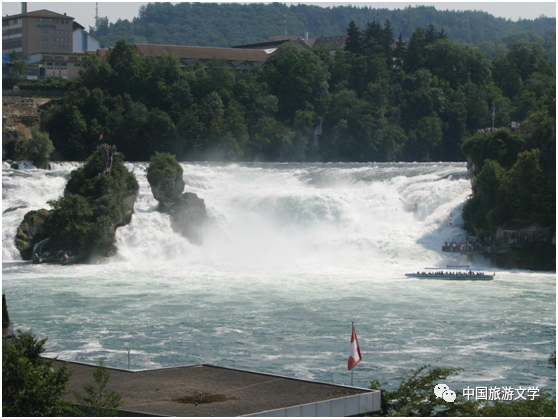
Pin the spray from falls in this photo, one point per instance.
(274, 215)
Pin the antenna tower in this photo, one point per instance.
(285, 22)
(96, 15)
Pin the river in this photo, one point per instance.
(292, 254)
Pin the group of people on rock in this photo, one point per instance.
(63, 256)
(467, 246)
(110, 151)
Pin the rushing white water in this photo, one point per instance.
(292, 254)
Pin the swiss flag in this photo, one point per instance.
(451, 219)
(101, 137)
(354, 353)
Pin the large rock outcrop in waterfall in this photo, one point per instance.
(31, 230)
(187, 210)
(84, 220)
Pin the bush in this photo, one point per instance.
(163, 168)
(39, 148)
(30, 386)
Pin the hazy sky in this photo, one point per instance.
(84, 12)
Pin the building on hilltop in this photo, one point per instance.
(52, 43)
(38, 31)
(332, 43)
(243, 60)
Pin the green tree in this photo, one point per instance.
(39, 148)
(428, 134)
(17, 65)
(415, 396)
(416, 53)
(97, 399)
(354, 38)
(30, 386)
(298, 78)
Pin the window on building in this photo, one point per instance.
(9, 44)
(59, 58)
(77, 65)
(64, 64)
(72, 58)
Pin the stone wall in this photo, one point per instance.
(19, 114)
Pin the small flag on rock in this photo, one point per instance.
(354, 354)
(451, 219)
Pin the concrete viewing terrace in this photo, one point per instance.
(225, 391)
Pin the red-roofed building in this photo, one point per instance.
(236, 58)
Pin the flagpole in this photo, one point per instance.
(353, 370)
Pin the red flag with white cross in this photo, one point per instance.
(354, 353)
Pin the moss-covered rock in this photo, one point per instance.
(31, 231)
(164, 175)
(187, 210)
(93, 206)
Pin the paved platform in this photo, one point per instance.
(242, 393)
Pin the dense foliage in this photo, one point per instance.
(415, 397)
(373, 102)
(37, 148)
(163, 168)
(30, 387)
(94, 204)
(212, 24)
(515, 178)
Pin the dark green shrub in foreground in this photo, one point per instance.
(29, 385)
(415, 397)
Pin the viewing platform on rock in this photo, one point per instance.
(468, 250)
(208, 390)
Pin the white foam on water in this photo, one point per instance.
(291, 254)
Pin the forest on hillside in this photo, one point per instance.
(417, 102)
(224, 25)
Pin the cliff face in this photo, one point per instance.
(19, 114)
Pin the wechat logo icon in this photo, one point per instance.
(443, 391)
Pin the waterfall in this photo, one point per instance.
(272, 214)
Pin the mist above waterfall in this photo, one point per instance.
(272, 215)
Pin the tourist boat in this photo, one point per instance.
(461, 273)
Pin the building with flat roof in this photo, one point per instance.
(37, 31)
(207, 390)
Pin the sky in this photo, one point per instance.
(84, 12)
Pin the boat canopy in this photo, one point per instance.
(463, 267)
